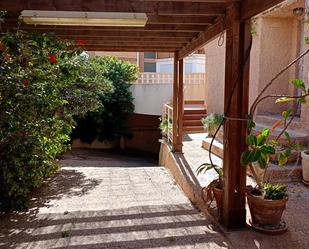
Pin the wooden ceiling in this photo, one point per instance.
(173, 25)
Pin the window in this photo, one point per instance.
(149, 67)
(150, 55)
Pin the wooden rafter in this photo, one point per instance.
(194, 22)
(159, 8)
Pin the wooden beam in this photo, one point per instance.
(251, 8)
(172, 47)
(148, 28)
(236, 107)
(196, 20)
(196, 9)
(161, 8)
(180, 108)
(175, 104)
(132, 43)
(157, 40)
(195, 1)
(202, 38)
(107, 34)
(129, 49)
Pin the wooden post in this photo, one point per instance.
(180, 106)
(237, 42)
(175, 103)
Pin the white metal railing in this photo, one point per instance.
(167, 78)
(167, 118)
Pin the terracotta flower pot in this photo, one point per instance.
(305, 165)
(218, 194)
(265, 212)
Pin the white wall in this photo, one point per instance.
(150, 98)
(192, 64)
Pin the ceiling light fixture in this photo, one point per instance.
(79, 18)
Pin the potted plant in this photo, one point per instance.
(214, 191)
(267, 201)
(305, 166)
(211, 123)
(165, 126)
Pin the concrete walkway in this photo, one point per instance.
(107, 200)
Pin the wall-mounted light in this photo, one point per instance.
(298, 11)
(79, 18)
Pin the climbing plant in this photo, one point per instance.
(44, 83)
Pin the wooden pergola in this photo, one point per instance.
(182, 27)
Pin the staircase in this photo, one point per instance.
(292, 171)
(194, 111)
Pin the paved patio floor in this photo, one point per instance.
(107, 200)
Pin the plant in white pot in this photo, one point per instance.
(305, 166)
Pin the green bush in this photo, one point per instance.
(212, 122)
(109, 122)
(43, 84)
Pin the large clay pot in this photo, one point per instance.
(265, 212)
(305, 165)
(218, 194)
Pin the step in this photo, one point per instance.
(194, 129)
(291, 172)
(194, 102)
(288, 173)
(272, 118)
(195, 111)
(194, 116)
(217, 146)
(193, 122)
(296, 136)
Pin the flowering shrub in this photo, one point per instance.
(44, 83)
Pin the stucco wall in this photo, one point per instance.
(215, 67)
(150, 98)
(275, 44)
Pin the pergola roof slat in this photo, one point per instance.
(187, 24)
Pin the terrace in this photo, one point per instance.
(181, 27)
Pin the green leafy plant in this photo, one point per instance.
(212, 122)
(165, 126)
(109, 122)
(274, 191)
(260, 146)
(202, 169)
(44, 83)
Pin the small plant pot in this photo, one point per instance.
(305, 165)
(265, 212)
(218, 195)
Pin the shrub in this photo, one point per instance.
(212, 122)
(43, 84)
(109, 122)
